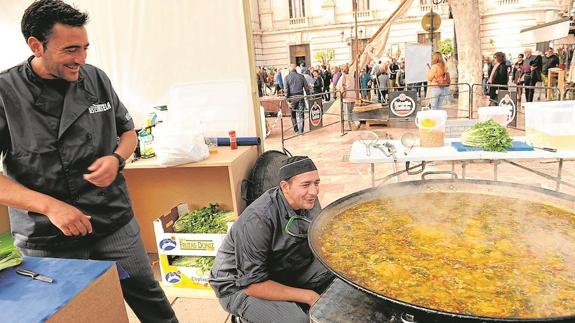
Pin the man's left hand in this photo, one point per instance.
(103, 171)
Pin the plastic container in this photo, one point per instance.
(431, 124)
(550, 124)
(501, 115)
(233, 140)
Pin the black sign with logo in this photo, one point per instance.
(402, 104)
(315, 115)
(508, 99)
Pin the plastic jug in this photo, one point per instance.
(431, 124)
(501, 115)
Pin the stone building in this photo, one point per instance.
(291, 31)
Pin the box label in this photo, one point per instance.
(207, 245)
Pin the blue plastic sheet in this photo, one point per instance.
(26, 300)
(516, 146)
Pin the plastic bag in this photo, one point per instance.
(179, 144)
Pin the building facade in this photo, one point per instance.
(292, 31)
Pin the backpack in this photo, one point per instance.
(444, 79)
(263, 175)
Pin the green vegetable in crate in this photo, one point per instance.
(210, 219)
(204, 264)
(489, 135)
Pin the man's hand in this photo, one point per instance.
(103, 171)
(312, 297)
(70, 220)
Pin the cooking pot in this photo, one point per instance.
(407, 190)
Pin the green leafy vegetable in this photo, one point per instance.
(203, 264)
(208, 219)
(489, 135)
(9, 256)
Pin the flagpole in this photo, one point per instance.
(356, 51)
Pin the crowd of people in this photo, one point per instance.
(530, 69)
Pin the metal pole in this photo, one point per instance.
(356, 76)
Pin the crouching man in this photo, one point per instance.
(265, 271)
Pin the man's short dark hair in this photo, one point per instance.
(41, 15)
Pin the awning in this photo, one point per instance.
(546, 32)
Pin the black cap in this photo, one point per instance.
(294, 166)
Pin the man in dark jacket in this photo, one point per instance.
(295, 85)
(64, 136)
(265, 271)
(326, 75)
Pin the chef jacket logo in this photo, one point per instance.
(315, 115)
(173, 277)
(167, 244)
(402, 105)
(95, 108)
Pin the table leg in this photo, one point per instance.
(372, 175)
(495, 163)
(395, 171)
(463, 166)
(559, 172)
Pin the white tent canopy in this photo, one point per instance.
(546, 32)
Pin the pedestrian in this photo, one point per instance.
(295, 85)
(498, 76)
(65, 135)
(439, 79)
(347, 89)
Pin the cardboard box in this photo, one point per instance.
(182, 276)
(86, 291)
(183, 244)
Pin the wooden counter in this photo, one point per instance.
(155, 189)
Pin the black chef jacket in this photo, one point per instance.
(258, 249)
(49, 140)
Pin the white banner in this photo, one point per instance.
(417, 62)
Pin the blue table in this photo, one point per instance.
(23, 299)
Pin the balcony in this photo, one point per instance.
(298, 22)
(503, 3)
(364, 15)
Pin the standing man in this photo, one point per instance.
(326, 75)
(551, 61)
(265, 271)
(393, 68)
(295, 85)
(65, 135)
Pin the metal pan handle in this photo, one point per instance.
(439, 172)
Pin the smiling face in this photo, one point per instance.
(301, 190)
(63, 53)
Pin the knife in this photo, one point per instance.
(34, 275)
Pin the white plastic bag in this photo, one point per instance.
(177, 144)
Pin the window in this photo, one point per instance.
(296, 8)
(362, 5)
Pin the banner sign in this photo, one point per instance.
(402, 104)
(508, 99)
(315, 115)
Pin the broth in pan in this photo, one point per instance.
(463, 253)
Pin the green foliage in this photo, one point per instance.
(324, 56)
(208, 219)
(445, 47)
(489, 135)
